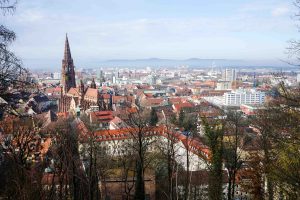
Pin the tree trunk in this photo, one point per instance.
(186, 192)
(139, 184)
(229, 190)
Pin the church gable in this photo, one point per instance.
(73, 92)
(91, 94)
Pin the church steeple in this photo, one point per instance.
(81, 87)
(67, 54)
(68, 72)
(93, 84)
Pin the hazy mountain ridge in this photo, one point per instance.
(194, 62)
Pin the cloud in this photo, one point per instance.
(30, 16)
(280, 11)
(260, 7)
(98, 37)
(92, 38)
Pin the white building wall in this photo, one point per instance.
(195, 162)
(243, 97)
(120, 147)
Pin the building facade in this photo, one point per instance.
(229, 75)
(239, 97)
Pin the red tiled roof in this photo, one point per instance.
(53, 90)
(124, 133)
(62, 114)
(106, 88)
(179, 106)
(152, 101)
(116, 120)
(132, 110)
(118, 99)
(125, 110)
(192, 145)
(92, 93)
(73, 91)
(175, 100)
(102, 116)
(106, 96)
(149, 95)
(196, 146)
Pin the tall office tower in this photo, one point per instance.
(229, 75)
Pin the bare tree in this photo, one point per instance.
(8, 5)
(141, 140)
(264, 123)
(232, 158)
(127, 163)
(20, 177)
(254, 171)
(11, 71)
(68, 177)
(169, 153)
(214, 133)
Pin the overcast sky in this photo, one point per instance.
(133, 29)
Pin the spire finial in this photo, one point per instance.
(67, 54)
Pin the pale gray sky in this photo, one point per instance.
(133, 29)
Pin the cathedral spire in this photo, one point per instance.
(67, 54)
(93, 84)
(68, 71)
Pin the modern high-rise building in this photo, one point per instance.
(67, 72)
(229, 75)
(56, 75)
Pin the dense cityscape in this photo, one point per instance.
(122, 131)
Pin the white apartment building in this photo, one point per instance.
(119, 142)
(238, 97)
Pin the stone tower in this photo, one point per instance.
(93, 84)
(67, 71)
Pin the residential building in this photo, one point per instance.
(238, 97)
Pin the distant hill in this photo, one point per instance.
(192, 62)
(159, 62)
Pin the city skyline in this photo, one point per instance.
(105, 30)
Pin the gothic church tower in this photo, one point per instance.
(67, 71)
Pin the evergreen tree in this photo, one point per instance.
(181, 118)
(153, 117)
(214, 134)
